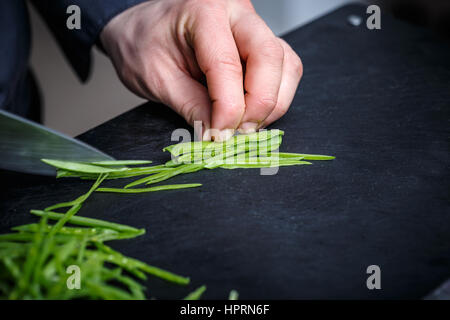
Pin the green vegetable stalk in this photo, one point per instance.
(35, 256)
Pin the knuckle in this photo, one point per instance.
(188, 109)
(292, 59)
(246, 4)
(231, 111)
(272, 49)
(204, 6)
(238, 5)
(228, 62)
(266, 102)
(297, 65)
(190, 7)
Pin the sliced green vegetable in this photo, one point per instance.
(33, 259)
(91, 234)
(234, 295)
(80, 199)
(190, 147)
(196, 294)
(305, 156)
(263, 165)
(87, 222)
(151, 189)
(120, 162)
(79, 166)
(131, 264)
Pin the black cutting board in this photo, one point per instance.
(378, 100)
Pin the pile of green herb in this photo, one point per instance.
(34, 258)
(257, 150)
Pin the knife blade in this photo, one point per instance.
(24, 143)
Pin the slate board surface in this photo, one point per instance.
(377, 100)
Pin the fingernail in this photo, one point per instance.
(224, 135)
(206, 135)
(248, 127)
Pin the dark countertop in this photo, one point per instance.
(377, 100)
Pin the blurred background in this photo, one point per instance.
(72, 107)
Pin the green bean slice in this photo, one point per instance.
(305, 156)
(120, 162)
(88, 222)
(79, 166)
(196, 294)
(151, 189)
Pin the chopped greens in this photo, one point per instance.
(35, 256)
(121, 162)
(196, 294)
(79, 166)
(234, 295)
(151, 189)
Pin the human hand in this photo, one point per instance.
(166, 50)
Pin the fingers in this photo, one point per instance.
(218, 58)
(189, 99)
(292, 73)
(264, 56)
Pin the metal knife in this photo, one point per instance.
(24, 143)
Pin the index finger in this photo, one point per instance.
(218, 58)
(264, 55)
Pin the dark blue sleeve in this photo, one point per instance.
(77, 44)
(14, 54)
